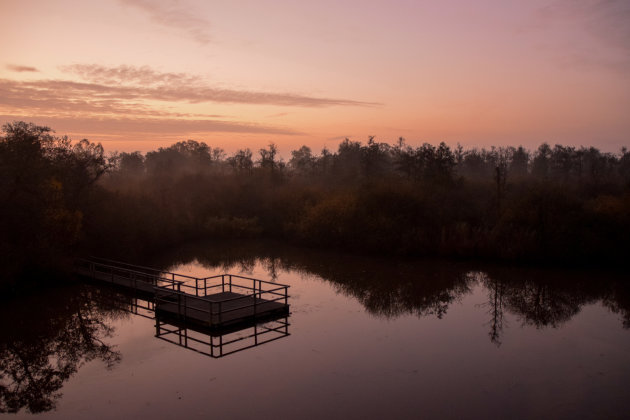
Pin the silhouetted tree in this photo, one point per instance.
(241, 161)
(46, 181)
(302, 160)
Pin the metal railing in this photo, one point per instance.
(126, 275)
(232, 293)
(150, 271)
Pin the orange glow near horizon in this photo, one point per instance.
(139, 74)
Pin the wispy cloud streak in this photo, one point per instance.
(142, 83)
(21, 69)
(130, 98)
(161, 126)
(143, 76)
(171, 14)
(607, 21)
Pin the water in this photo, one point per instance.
(368, 338)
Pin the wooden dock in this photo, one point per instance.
(225, 301)
(220, 309)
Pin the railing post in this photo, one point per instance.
(223, 282)
(286, 295)
(205, 286)
(255, 304)
(230, 282)
(196, 286)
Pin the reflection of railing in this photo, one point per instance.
(144, 307)
(223, 344)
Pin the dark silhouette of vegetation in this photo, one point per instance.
(45, 188)
(552, 205)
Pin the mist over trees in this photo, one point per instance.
(555, 204)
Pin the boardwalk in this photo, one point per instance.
(220, 302)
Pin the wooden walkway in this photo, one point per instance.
(215, 303)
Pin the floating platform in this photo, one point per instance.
(219, 310)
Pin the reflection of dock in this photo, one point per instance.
(222, 344)
(216, 315)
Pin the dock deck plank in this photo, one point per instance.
(235, 307)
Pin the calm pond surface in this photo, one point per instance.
(368, 338)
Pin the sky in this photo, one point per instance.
(141, 74)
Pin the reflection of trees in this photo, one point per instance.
(51, 337)
(617, 299)
(538, 297)
(544, 305)
(420, 289)
(496, 293)
(385, 287)
(549, 298)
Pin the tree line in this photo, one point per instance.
(557, 204)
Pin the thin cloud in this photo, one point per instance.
(21, 69)
(127, 98)
(144, 83)
(96, 93)
(144, 76)
(122, 126)
(338, 138)
(607, 22)
(24, 96)
(171, 14)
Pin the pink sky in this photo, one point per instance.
(140, 74)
